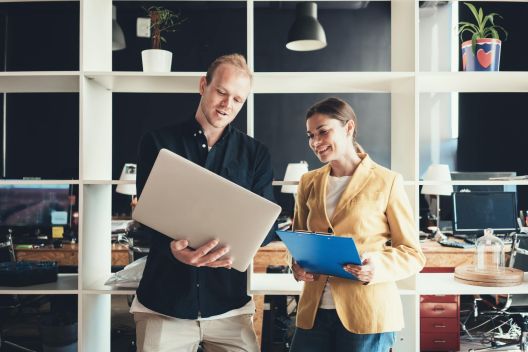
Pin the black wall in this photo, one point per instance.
(492, 125)
(42, 129)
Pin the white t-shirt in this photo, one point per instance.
(334, 189)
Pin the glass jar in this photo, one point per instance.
(490, 253)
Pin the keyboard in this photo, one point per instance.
(470, 240)
(456, 244)
(473, 240)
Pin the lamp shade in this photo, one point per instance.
(294, 171)
(128, 174)
(118, 37)
(437, 172)
(306, 33)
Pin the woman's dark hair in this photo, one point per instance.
(338, 109)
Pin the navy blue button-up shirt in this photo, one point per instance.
(169, 286)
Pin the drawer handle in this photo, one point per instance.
(439, 341)
(440, 326)
(438, 309)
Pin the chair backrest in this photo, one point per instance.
(519, 252)
(7, 249)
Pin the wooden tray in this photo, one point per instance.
(468, 275)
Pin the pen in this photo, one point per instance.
(523, 219)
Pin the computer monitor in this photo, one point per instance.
(34, 206)
(446, 202)
(476, 211)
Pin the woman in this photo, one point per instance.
(352, 196)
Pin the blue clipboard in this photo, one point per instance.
(321, 254)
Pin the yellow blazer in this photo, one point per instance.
(372, 210)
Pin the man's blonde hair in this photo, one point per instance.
(236, 60)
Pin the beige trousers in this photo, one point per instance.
(156, 333)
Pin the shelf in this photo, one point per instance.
(39, 82)
(274, 284)
(483, 0)
(39, 182)
(285, 284)
(100, 288)
(295, 183)
(445, 284)
(496, 82)
(328, 82)
(475, 183)
(108, 182)
(290, 82)
(141, 82)
(30, 1)
(65, 285)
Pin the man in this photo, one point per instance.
(187, 296)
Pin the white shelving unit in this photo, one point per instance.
(95, 83)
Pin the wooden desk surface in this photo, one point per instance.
(441, 258)
(437, 256)
(68, 254)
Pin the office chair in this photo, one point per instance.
(507, 315)
(8, 303)
(7, 250)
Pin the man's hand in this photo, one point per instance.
(202, 256)
(364, 272)
(301, 275)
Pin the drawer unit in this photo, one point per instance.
(437, 309)
(439, 323)
(439, 298)
(430, 341)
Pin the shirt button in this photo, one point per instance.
(195, 134)
(203, 146)
(200, 131)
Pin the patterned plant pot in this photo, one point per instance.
(487, 56)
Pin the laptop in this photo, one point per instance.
(183, 200)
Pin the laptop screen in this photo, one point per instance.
(476, 211)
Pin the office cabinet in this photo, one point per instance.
(95, 83)
(439, 323)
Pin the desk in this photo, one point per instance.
(68, 254)
(444, 259)
(274, 253)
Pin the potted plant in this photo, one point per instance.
(161, 20)
(482, 51)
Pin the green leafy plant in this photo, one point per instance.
(162, 20)
(485, 26)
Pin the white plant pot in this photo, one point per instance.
(156, 60)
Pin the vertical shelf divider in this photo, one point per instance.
(405, 139)
(95, 164)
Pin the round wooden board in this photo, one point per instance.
(468, 275)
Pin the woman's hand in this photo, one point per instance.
(364, 272)
(300, 275)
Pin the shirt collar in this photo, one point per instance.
(194, 129)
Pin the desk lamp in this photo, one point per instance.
(128, 174)
(118, 37)
(439, 173)
(294, 171)
(293, 174)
